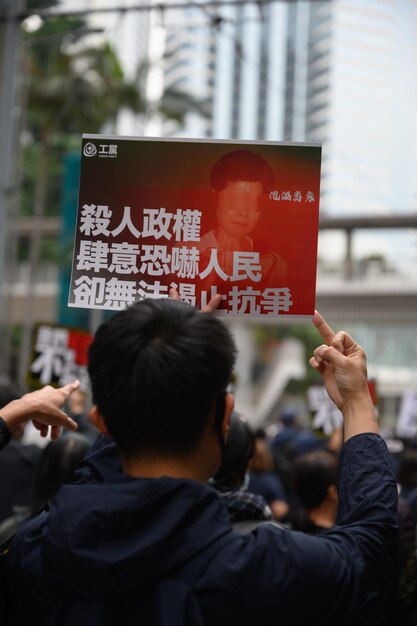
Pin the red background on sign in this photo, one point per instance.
(176, 175)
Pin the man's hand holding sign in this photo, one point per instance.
(210, 307)
(242, 222)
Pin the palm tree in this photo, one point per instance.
(68, 92)
(74, 88)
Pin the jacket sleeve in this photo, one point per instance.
(348, 567)
(331, 578)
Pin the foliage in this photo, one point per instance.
(30, 164)
(74, 91)
(74, 88)
(71, 88)
(32, 5)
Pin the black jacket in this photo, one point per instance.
(162, 552)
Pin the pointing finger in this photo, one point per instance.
(70, 387)
(324, 329)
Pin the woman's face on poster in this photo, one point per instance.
(238, 209)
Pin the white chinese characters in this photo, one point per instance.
(126, 255)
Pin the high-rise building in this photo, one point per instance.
(250, 71)
(342, 73)
(128, 33)
(188, 71)
(359, 60)
(231, 60)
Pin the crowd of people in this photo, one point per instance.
(166, 508)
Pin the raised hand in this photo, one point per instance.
(209, 308)
(44, 408)
(342, 364)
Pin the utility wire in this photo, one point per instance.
(161, 6)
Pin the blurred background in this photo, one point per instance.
(339, 72)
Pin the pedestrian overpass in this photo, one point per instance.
(378, 307)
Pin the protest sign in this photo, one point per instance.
(59, 356)
(407, 419)
(205, 217)
(326, 415)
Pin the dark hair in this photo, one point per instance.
(407, 469)
(236, 454)
(313, 473)
(57, 465)
(157, 371)
(260, 433)
(241, 165)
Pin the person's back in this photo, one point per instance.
(154, 544)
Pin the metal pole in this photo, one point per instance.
(348, 257)
(10, 112)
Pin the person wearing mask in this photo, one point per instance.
(154, 542)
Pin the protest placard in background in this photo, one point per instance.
(205, 217)
(326, 415)
(407, 419)
(59, 356)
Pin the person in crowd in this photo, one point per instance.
(263, 480)
(56, 466)
(246, 510)
(315, 485)
(42, 407)
(154, 542)
(407, 479)
(53, 466)
(291, 441)
(17, 466)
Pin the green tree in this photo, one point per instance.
(70, 92)
(71, 89)
(33, 5)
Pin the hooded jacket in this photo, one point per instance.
(161, 552)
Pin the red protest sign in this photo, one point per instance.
(205, 217)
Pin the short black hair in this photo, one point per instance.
(313, 473)
(157, 371)
(242, 165)
(236, 454)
